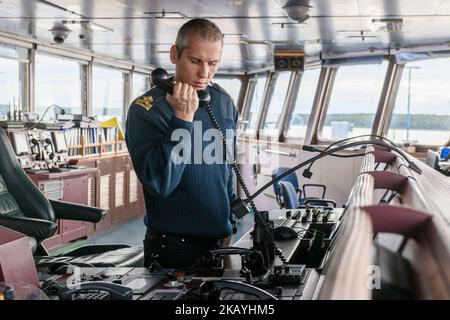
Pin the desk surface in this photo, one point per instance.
(166, 285)
(45, 174)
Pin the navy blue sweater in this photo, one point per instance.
(191, 197)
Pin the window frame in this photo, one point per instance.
(83, 65)
(25, 63)
(387, 120)
(250, 89)
(285, 103)
(132, 74)
(291, 106)
(126, 86)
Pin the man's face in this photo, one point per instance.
(198, 63)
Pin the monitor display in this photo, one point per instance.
(59, 139)
(19, 141)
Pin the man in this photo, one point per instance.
(187, 202)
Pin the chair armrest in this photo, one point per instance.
(299, 191)
(36, 228)
(314, 185)
(324, 202)
(94, 249)
(75, 211)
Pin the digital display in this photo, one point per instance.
(59, 139)
(19, 141)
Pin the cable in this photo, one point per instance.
(258, 218)
(411, 164)
(307, 172)
(42, 118)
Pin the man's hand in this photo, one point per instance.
(184, 101)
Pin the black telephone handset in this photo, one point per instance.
(250, 259)
(49, 143)
(210, 290)
(160, 79)
(36, 144)
(96, 290)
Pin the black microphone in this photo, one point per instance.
(239, 205)
(61, 111)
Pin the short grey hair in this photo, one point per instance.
(205, 29)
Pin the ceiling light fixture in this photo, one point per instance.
(298, 12)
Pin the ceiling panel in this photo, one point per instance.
(125, 29)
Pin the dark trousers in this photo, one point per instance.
(175, 251)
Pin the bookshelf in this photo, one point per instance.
(115, 186)
(94, 142)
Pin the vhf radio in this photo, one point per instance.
(40, 149)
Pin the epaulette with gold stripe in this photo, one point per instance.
(145, 102)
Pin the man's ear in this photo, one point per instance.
(173, 54)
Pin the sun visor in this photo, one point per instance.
(330, 63)
(405, 57)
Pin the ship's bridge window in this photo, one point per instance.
(57, 81)
(14, 67)
(277, 98)
(254, 104)
(231, 85)
(303, 103)
(108, 90)
(422, 108)
(10, 98)
(353, 100)
(141, 84)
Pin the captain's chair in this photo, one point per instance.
(25, 209)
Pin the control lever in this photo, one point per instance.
(307, 214)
